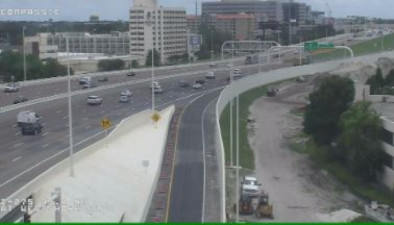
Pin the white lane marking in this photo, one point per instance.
(46, 160)
(18, 134)
(14, 125)
(45, 134)
(65, 117)
(102, 112)
(86, 118)
(45, 146)
(17, 145)
(203, 153)
(88, 127)
(16, 159)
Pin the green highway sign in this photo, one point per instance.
(326, 45)
(314, 45)
(310, 46)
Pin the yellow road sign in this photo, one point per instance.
(156, 117)
(105, 123)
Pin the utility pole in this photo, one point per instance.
(24, 55)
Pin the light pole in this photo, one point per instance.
(70, 118)
(211, 45)
(150, 22)
(24, 55)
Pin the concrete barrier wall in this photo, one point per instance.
(35, 187)
(243, 85)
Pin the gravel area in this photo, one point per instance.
(298, 190)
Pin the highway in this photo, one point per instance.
(24, 157)
(46, 89)
(186, 201)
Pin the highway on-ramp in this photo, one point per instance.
(186, 197)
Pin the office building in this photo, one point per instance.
(263, 10)
(47, 45)
(240, 26)
(153, 26)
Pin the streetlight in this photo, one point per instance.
(70, 118)
(149, 22)
(24, 55)
(211, 45)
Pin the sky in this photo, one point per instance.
(80, 10)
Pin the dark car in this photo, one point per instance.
(131, 74)
(183, 84)
(20, 99)
(200, 81)
(88, 85)
(32, 129)
(103, 79)
(271, 92)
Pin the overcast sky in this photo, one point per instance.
(80, 10)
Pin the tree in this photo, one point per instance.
(156, 56)
(360, 140)
(11, 65)
(111, 64)
(134, 64)
(327, 103)
(213, 39)
(376, 82)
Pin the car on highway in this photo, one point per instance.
(212, 65)
(20, 99)
(154, 84)
(197, 86)
(183, 84)
(84, 80)
(32, 129)
(301, 79)
(103, 79)
(229, 65)
(158, 90)
(11, 88)
(126, 93)
(200, 81)
(124, 99)
(250, 187)
(94, 100)
(131, 74)
(88, 85)
(210, 75)
(237, 73)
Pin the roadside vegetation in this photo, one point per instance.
(367, 47)
(11, 67)
(380, 85)
(111, 65)
(246, 156)
(344, 138)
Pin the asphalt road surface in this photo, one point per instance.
(186, 197)
(24, 157)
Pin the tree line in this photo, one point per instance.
(351, 132)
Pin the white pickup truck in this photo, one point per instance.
(250, 187)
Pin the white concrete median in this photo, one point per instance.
(114, 180)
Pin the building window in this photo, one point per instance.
(388, 160)
(387, 137)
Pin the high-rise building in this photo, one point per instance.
(263, 10)
(240, 26)
(155, 27)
